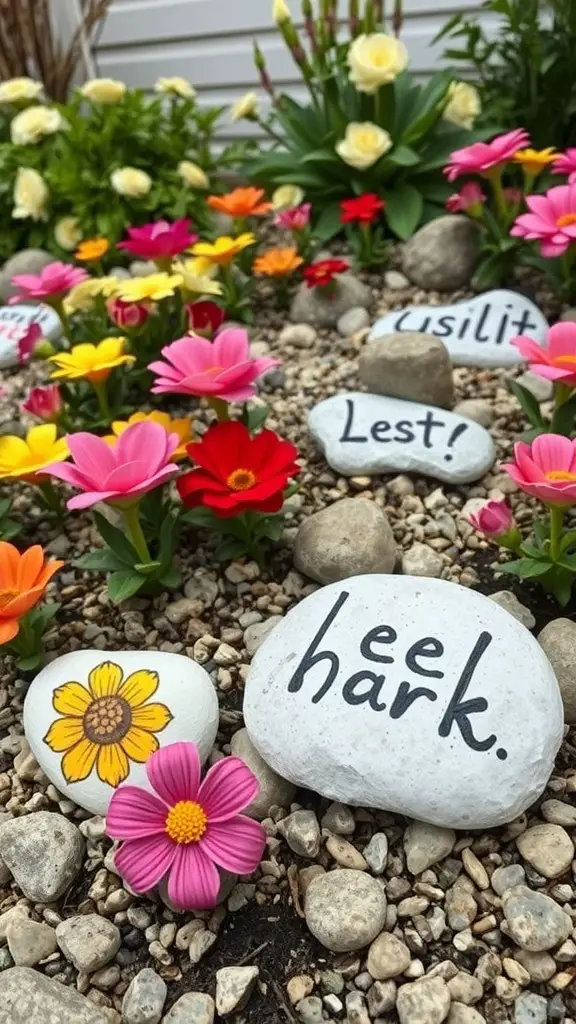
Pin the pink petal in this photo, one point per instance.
(174, 772)
(143, 442)
(552, 452)
(231, 347)
(228, 788)
(194, 881)
(93, 457)
(530, 349)
(89, 498)
(145, 862)
(133, 814)
(236, 845)
(562, 340)
(69, 474)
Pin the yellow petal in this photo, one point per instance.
(138, 687)
(63, 734)
(41, 439)
(139, 745)
(105, 679)
(110, 348)
(79, 761)
(112, 766)
(71, 699)
(13, 452)
(153, 717)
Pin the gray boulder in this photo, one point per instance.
(316, 306)
(443, 254)
(28, 261)
(408, 365)
(349, 538)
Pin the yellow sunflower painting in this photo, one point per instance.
(107, 724)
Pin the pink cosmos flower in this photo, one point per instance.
(51, 284)
(118, 473)
(161, 240)
(186, 829)
(295, 219)
(128, 314)
(481, 157)
(27, 343)
(222, 368)
(557, 361)
(551, 221)
(44, 403)
(566, 164)
(469, 196)
(493, 519)
(546, 469)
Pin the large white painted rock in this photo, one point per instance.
(476, 332)
(361, 433)
(416, 696)
(93, 718)
(14, 323)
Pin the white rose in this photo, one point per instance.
(103, 90)
(179, 86)
(286, 197)
(193, 175)
(67, 233)
(363, 144)
(375, 60)
(463, 104)
(20, 90)
(129, 181)
(30, 195)
(245, 107)
(32, 124)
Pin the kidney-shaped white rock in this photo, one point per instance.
(362, 434)
(477, 332)
(416, 696)
(93, 718)
(14, 323)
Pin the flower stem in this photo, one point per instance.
(556, 521)
(51, 497)
(136, 533)
(102, 396)
(495, 178)
(58, 307)
(221, 409)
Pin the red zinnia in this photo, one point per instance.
(363, 209)
(238, 473)
(205, 317)
(323, 272)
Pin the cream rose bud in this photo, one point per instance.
(130, 181)
(281, 11)
(34, 123)
(30, 195)
(245, 107)
(363, 144)
(67, 233)
(376, 60)
(177, 86)
(463, 106)
(103, 90)
(286, 197)
(193, 175)
(20, 90)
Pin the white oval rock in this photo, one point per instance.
(477, 332)
(416, 696)
(362, 434)
(14, 323)
(93, 718)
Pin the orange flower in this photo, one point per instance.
(278, 262)
(92, 249)
(23, 580)
(242, 202)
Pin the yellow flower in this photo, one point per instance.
(24, 458)
(152, 288)
(20, 90)
(130, 181)
(533, 161)
(375, 60)
(286, 197)
(103, 90)
(30, 195)
(224, 249)
(92, 249)
(107, 724)
(82, 297)
(67, 232)
(245, 107)
(182, 427)
(177, 86)
(463, 104)
(91, 362)
(33, 124)
(193, 175)
(197, 276)
(281, 11)
(363, 144)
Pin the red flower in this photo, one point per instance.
(363, 209)
(238, 473)
(205, 317)
(322, 273)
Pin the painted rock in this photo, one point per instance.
(362, 434)
(93, 718)
(15, 321)
(476, 332)
(415, 696)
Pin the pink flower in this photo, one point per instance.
(295, 219)
(469, 196)
(52, 283)
(566, 164)
(205, 317)
(44, 403)
(117, 473)
(189, 829)
(161, 240)
(127, 314)
(493, 519)
(481, 157)
(546, 469)
(551, 221)
(558, 360)
(27, 343)
(222, 368)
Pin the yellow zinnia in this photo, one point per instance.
(91, 362)
(533, 161)
(83, 296)
(151, 288)
(24, 458)
(182, 427)
(224, 249)
(107, 724)
(197, 276)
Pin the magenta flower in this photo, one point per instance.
(551, 220)
(493, 519)
(222, 368)
(556, 361)
(469, 196)
(44, 403)
(27, 343)
(161, 240)
(118, 473)
(50, 285)
(295, 219)
(481, 157)
(128, 314)
(546, 469)
(566, 164)
(189, 829)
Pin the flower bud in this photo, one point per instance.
(281, 12)
(494, 519)
(127, 314)
(44, 403)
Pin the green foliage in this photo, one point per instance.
(27, 646)
(249, 534)
(9, 528)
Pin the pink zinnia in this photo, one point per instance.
(118, 473)
(481, 157)
(45, 403)
(222, 368)
(557, 361)
(546, 469)
(493, 519)
(470, 195)
(566, 164)
(161, 240)
(186, 829)
(295, 219)
(551, 221)
(27, 343)
(52, 283)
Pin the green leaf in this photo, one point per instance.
(202, 517)
(9, 528)
(403, 209)
(104, 560)
(403, 156)
(116, 539)
(147, 568)
(529, 404)
(527, 568)
(122, 585)
(255, 416)
(172, 578)
(328, 224)
(229, 548)
(563, 418)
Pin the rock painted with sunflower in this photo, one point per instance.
(93, 718)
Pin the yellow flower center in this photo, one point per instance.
(241, 480)
(107, 720)
(565, 361)
(186, 822)
(566, 220)
(560, 474)
(6, 596)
